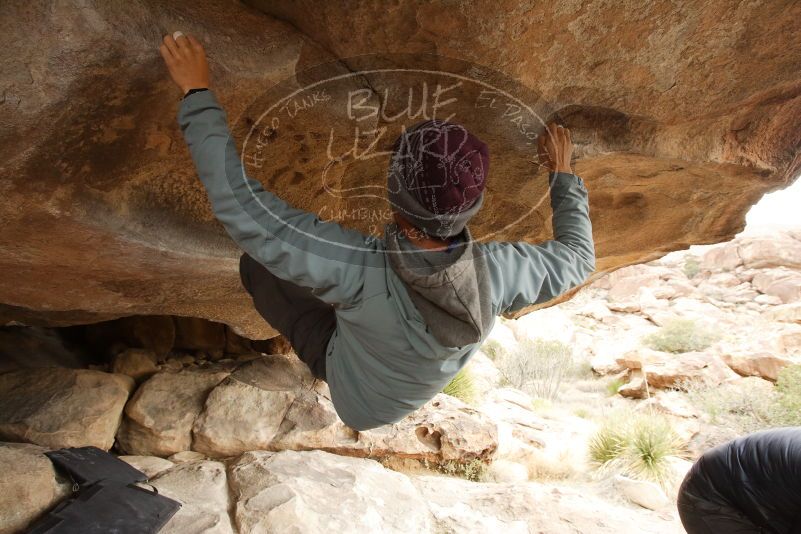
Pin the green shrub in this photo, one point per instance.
(729, 410)
(691, 266)
(583, 413)
(474, 470)
(680, 335)
(614, 385)
(608, 443)
(638, 446)
(462, 386)
(788, 390)
(537, 367)
(492, 348)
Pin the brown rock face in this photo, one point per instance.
(683, 115)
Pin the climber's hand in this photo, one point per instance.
(555, 148)
(186, 61)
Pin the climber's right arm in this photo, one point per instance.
(293, 244)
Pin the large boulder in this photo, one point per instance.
(316, 491)
(202, 489)
(463, 506)
(273, 403)
(780, 282)
(29, 486)
(62, 407)
(765, 365)
(159, 416)
(666, 370)
(683, 118)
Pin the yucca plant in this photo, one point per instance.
(608, 444)
(637, 446)
(462, 386)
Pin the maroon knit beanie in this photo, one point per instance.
(442, 165)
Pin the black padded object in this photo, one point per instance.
(90, 464)
(109, 507)
(105, 497)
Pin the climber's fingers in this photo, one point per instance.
(166, 54)
(172, 46)
(195, 43)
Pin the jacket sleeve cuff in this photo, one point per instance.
(561, 180)
(197, 101)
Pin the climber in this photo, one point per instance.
(386, 322)
(749, 485)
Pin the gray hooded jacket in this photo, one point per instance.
(407, 320)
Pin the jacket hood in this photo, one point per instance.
(451, 290)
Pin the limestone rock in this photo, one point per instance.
(607, 349)
(596, 309)
(666, 370)
(643, 298)
(641, 492)
(136, 363)
(505, 471)
(269, 404)
(62, 407)
(671, 403)
(647, 119)
(151, 332)
(462, 506)
(29, 486)
(790, 343)
(551, 324)
(186, 457)
(627, 287)
(520, 430)
(316, 491)
(776, 251)
(780, 282)
(635, 388)
(236, 344)
(195, 333)
(672, 371)
(724, 257)
(149, 465)
(32, 346)
(788, 313)
(202, 489)
(679, 288)
(245, 411)
(159, 416)
(762, 364)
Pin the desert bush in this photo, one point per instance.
(614, 385)
(691, 266)
(462, 386)
(727, 405)
(474, 470)
(788, 390)
(492, 348)
(680, 335)
(537, 367)
(639, 446)
(729, 410)
(553, 463)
